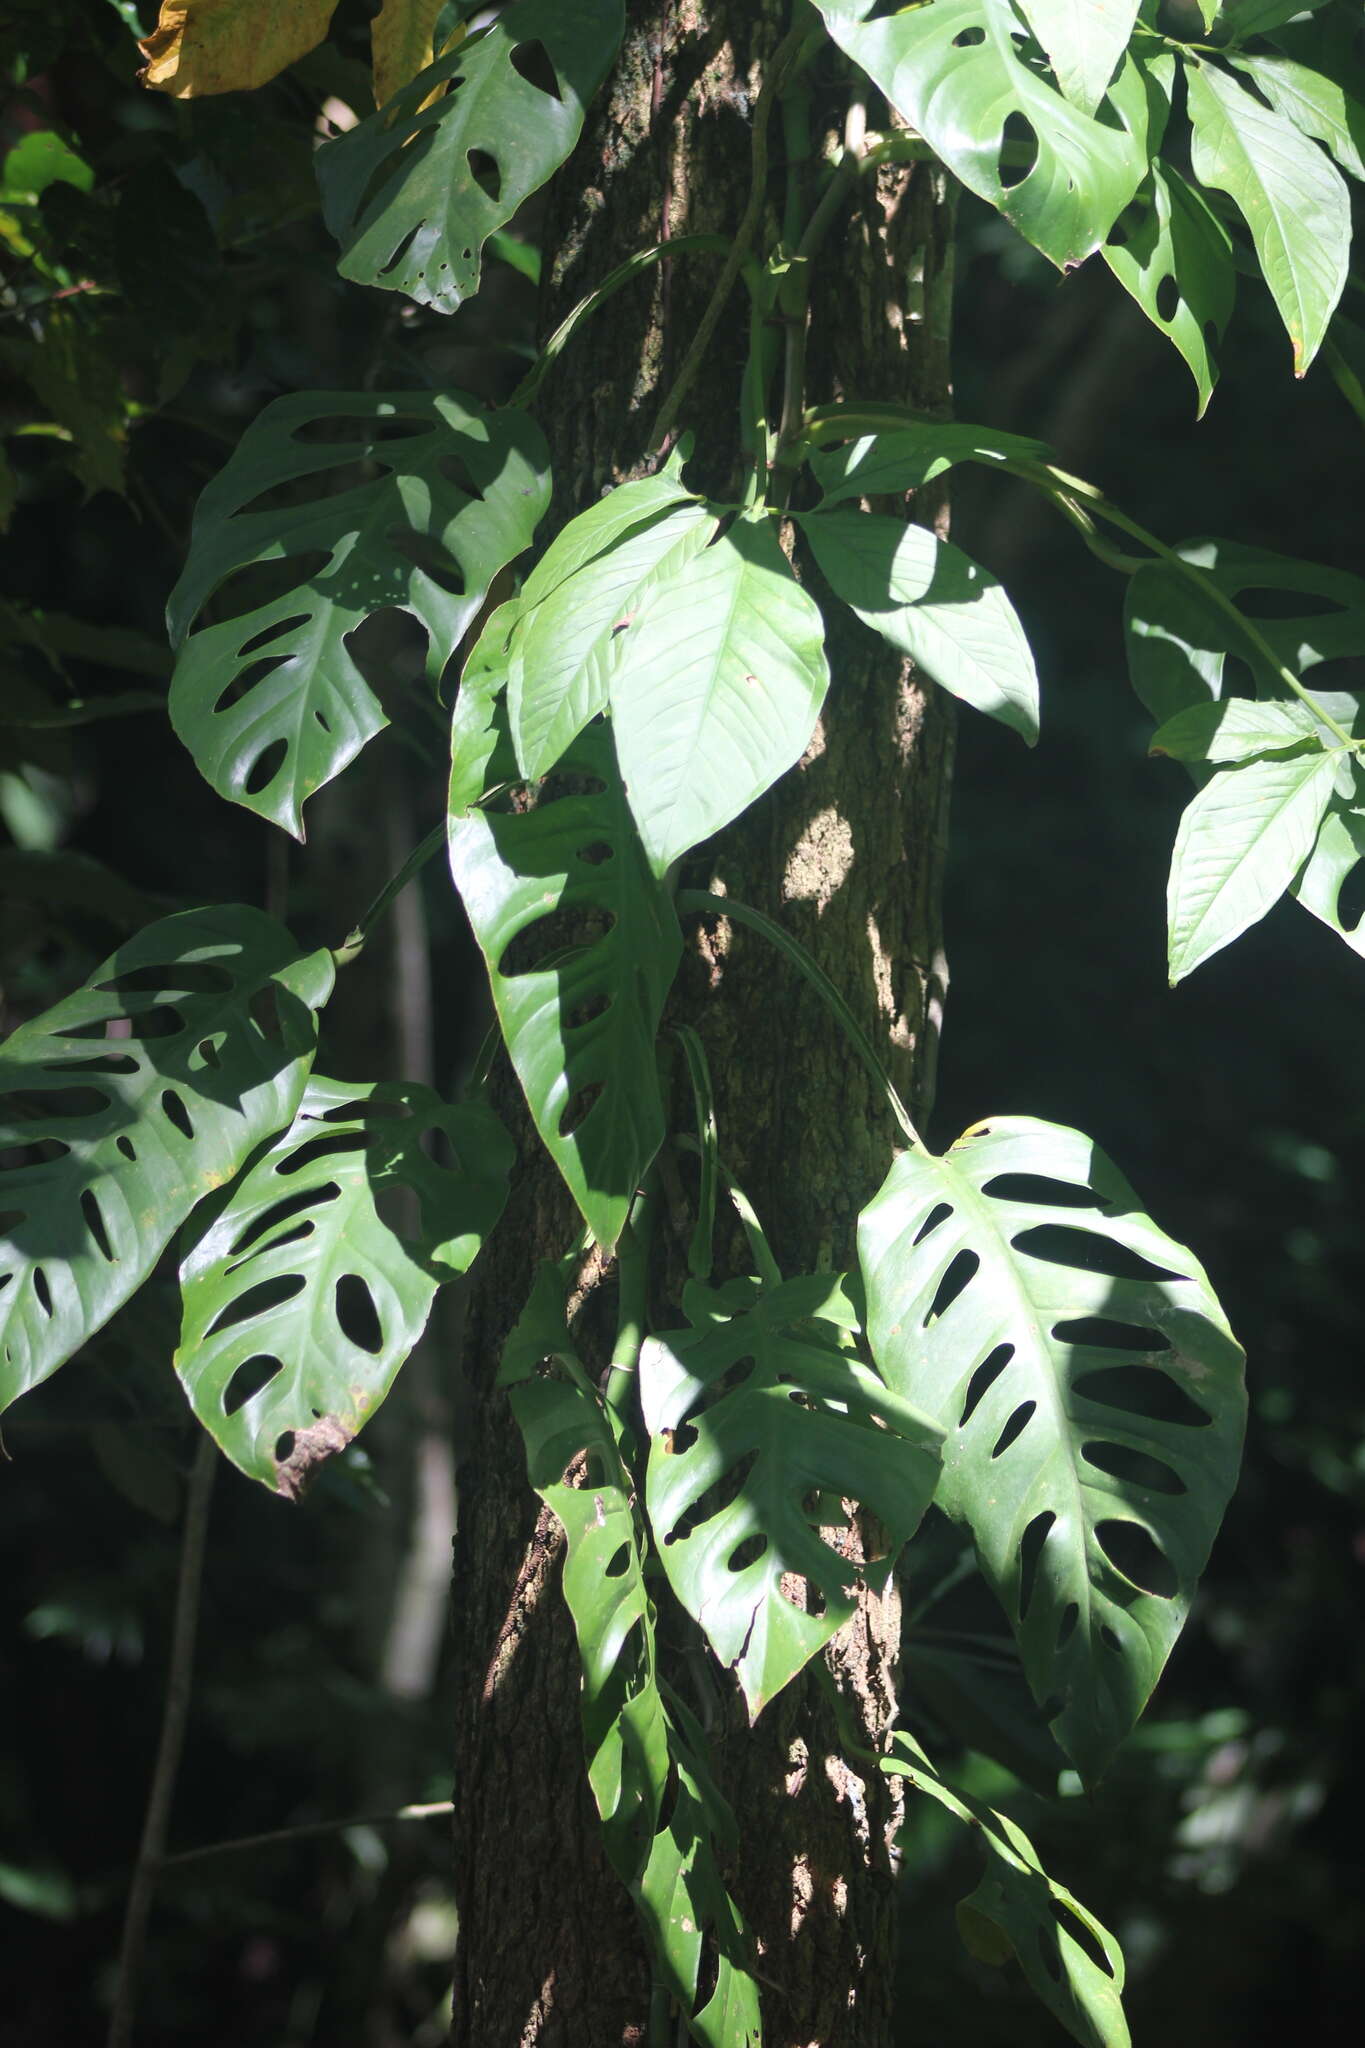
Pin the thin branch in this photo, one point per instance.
(306, 1831)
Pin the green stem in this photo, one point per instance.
(632, 1268)
(699, 1254)
(354, 942)
(700, 900)
(307, 1831)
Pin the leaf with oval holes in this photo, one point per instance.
(130, 1101)
(805, 1428)
(580, 1017)
(1176, 260)
(414, 192)
(716, 685)
(642, 1757)
(930, 601)
(1072, 1963)
(314, 1275)
(903, 456)
(954, 73)
(1016, 1293)
(1083, 40)
(1292, 197)
(271, 702)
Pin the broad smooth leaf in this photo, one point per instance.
(1176, 260)
(904, 457)
(806, 1428)
(716, 686)
(1084, 40)
(1237, 729)
(1317, 106)
(930, 601)
(413, 193)
(400, 42)
(1292, 197)
(128, 1102)
(573, 639)
(315, 1274)
(1339, 851)
(638, 1750)
(481, 754)
(1244, 18)
(1018, 1910)
(204, 46)
(1241, 842)
(1091, 1393)
(580, 1016)
(271, 702)
(954, 72)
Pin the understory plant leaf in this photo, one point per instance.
(271, 702)
(806, 1428)
(414, 192)
(1237, 729)
(579, 999)
(128, 1102)
(1291, 196)
(930, 601)
(716, 686)
(1339, 850)
(954, 72)
(1018, 1911)
(400, 43)
(1084, 40)
(1175, 258)
(902, 457)
(1317, 106)
(1090, 1390)
(313, 1277)
(207, 46)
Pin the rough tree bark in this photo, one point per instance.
(848, 851)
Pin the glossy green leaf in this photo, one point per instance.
(128, 1102)
(930, 601)
(1176, 260)
(954, 71)
(1317, 105)
(716, 686)
(903, 457)
(414, 192)
(581, 1014)
(1292, 198)
(1018, 1911)
(1090, 1390)
(573, 638)
(1245, 18)
(481, 754)
(271, 702)
(314, 1276)
(805, 1428)
(1241, 842)
(1237, 729)
(1084, 40)
(1339, 850)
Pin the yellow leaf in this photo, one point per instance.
(400, 38)
(203, 46)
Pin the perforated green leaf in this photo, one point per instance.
(413, 193)
(1317, 105)
(930, 601)
(806, 1428)
(1090, 1390)
(1339, 851)
(1241, 842)
(1018, 1911)
(1176, 260)
(905, 456)
(1291, 196)
(716, 685)
(271, 702)
(312, 1279)
(1084, 40)
(128, 1102)
(955, 73)
(580, 1016)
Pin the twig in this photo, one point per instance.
(305, 1831)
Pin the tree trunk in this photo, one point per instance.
(847, 852)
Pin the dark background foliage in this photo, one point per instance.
(190, 285)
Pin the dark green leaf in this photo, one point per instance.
(904, 457)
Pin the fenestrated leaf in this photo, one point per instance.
(111, 1139)
(573, 637)
(904, 457)
(716, 685)
(806, 1428)
(930, 601)
(400, 43)
(271, 703)
(1317, 105)
(1339, 850)
(1292, 197)
(1241, 842)
(579, 1018)
(206, 46)
(414, 192)
(314, 1276)
(1018, 1910)
(1057, 1345)
(1084, 40)
(1176, 260)
(955, 74)
(1237, 729)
